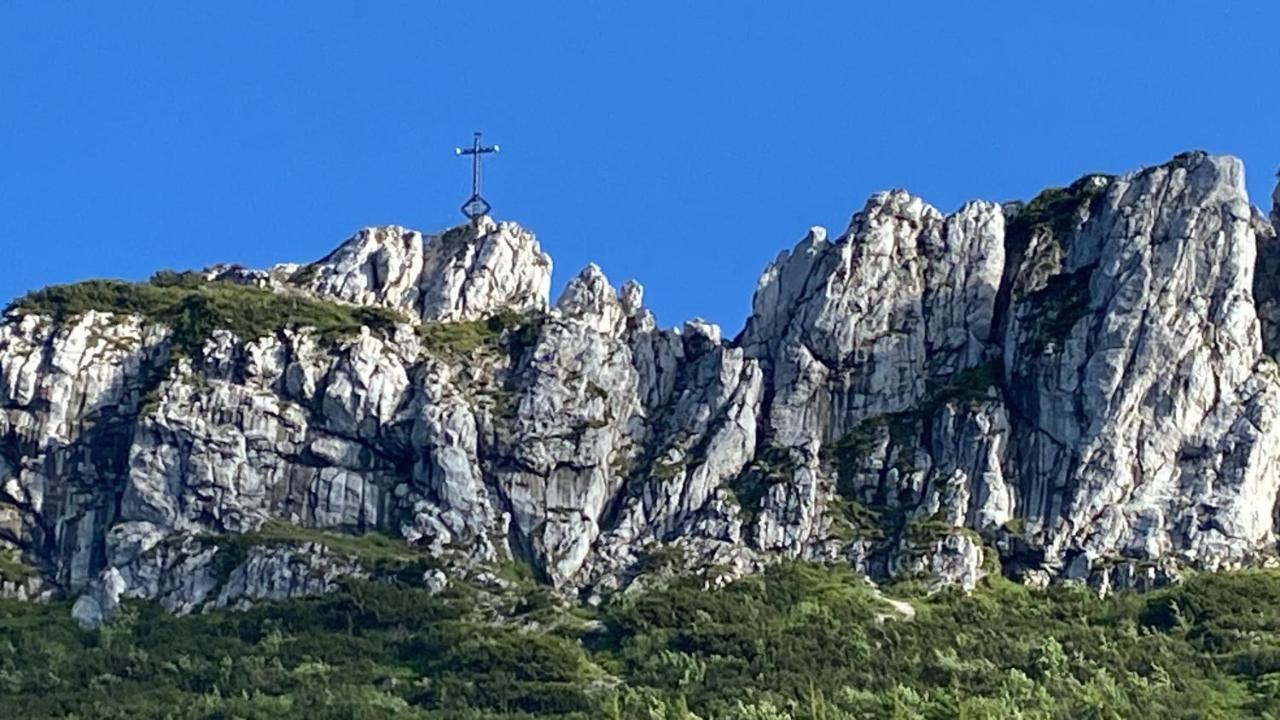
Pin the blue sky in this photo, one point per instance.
(682, 144)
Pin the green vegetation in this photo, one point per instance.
(966, 389)
(373, 651)
(903, 431)
(305, 274)
(665, 469)
(506, 330)
(1055, 210)
(1065, 298)
(855, 521)
(663, 558)
(194, 307)
(850, 451)
(926, 530)
(1059, 305)
(372, 548)
(381, 554)
(772, 465)
(12, 568)
(800, 642)
(1015, 526)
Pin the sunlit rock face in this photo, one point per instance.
(465, 273)
(1133, 353)
(1081, 387)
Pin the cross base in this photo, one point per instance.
(475, 207)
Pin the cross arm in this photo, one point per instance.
(475, 151)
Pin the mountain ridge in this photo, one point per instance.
(1079, 388)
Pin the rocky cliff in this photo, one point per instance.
(1080, 387)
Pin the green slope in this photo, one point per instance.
(799, 642)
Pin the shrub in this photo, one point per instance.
(799, 641)
(506, 330)
(12, 568)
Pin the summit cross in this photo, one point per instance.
(475, 206)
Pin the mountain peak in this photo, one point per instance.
(465, 273)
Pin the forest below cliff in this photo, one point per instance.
(798, 642)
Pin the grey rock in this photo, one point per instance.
(1133, 352)
(1084, 384)
(100, 603)
(952, 559)
(463, 274)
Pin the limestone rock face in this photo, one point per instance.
(865, 340)
(904, 297)
(575, 430)
(1266, 278)
(1133, 351)
(187, 575)
(68, 393)
(463, 274)
(1078, 388)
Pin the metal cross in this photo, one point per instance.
(475, 206)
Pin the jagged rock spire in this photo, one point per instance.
(465, 273)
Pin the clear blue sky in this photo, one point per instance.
(683, 144)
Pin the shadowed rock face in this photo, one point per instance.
(1082, 386)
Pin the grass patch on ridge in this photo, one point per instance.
(194, 308)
